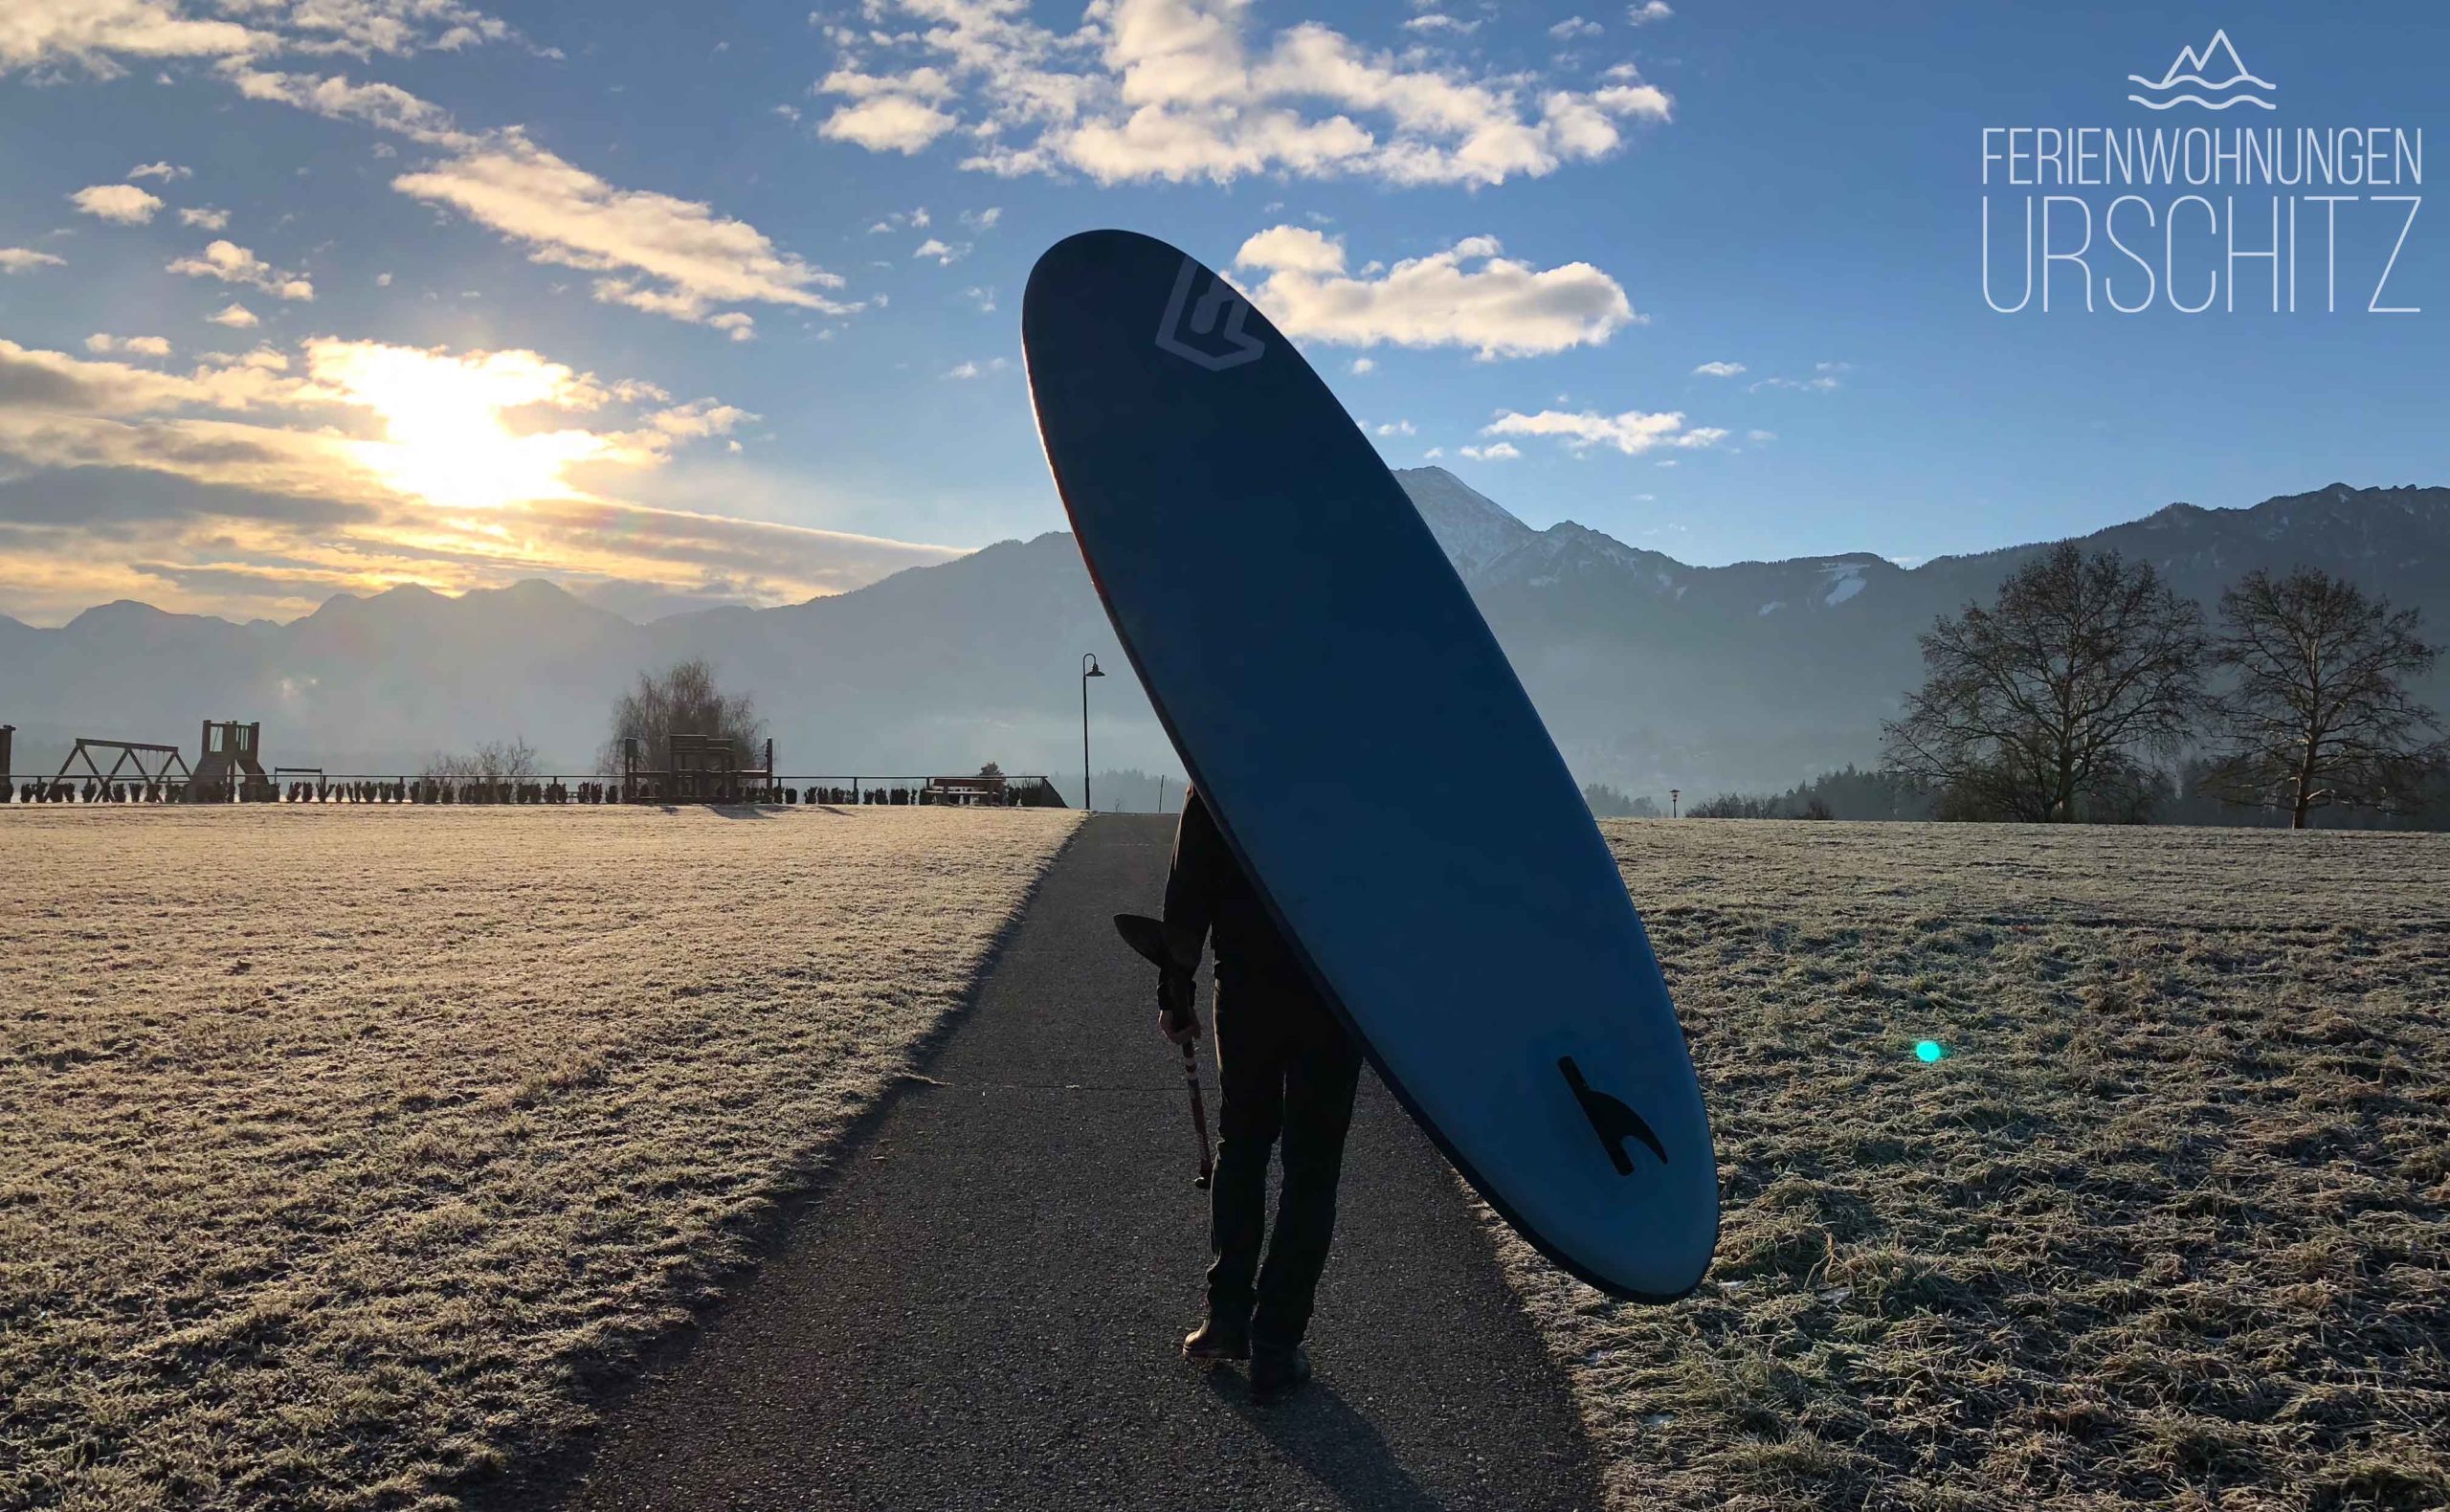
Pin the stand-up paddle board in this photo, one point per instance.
(1371, 758)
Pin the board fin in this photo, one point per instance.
(1611, 1119)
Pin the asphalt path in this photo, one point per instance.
(983, 1306)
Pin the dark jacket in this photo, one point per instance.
(1207, 894)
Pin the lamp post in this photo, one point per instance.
(1088, 670)
(1675, 796)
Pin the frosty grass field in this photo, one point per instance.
(352, 1149)
(2166, 1229)
(346, 1148)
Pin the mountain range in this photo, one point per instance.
(1651, 673)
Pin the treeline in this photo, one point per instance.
(2090, 691)
(2186, 794)
(1852, 793)
(1132, 791)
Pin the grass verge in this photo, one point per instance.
(348, 1151)
(2169, 1227)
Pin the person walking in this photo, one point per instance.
(1286, 1069)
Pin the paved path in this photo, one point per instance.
(983, 1309)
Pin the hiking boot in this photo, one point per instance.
(1218, 1340)
(1276, 1374)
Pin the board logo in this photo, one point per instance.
(1207, 330)
(1609, 1118)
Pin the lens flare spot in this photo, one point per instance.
(1930, 1050)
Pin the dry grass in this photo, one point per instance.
(346, 1148)
(2166, 1229)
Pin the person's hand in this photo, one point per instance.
(1177, 1018)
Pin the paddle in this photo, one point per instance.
(1148, 936)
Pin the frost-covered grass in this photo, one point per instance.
(343, 1150)
(2166, 1229)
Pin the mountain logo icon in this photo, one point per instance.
(2195, 78)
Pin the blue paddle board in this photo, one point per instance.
(1371, 758)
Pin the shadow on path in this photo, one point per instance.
(982, 1309)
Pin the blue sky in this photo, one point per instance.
(687, 306)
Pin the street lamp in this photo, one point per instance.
(1088, 670)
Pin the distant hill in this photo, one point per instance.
(1651, 673)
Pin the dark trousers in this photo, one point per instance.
(1287, 1068)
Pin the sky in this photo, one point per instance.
(719, 304)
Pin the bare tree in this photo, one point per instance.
(2043, 706)
(682, 699)
(492, 762)
(2321, 714)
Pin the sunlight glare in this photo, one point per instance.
(444, 436)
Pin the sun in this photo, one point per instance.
(445, 437)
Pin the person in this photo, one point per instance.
(1286, 1067)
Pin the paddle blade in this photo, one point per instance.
(1148, 936)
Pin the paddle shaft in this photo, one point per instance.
(1198, 1115)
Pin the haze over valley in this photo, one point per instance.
(1651, 673)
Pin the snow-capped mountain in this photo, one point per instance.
(1471, 528)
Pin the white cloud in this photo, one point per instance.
(1759, 437)
(21, 259)
(1632, 432)
(692, 259)
(1438, 21)
(381, 280)
(981, 298)
(944, 255)
(123, 203)
(385, 107)
(889, 123)
(1717, 369)
(1819, 383)
(1179, 90)
(1647, 12)
(232, 263)
(1363, 366)
(1497, 451)
(99, 34)
(165, 172)
(204, 217)
(1466, 295)
(1395, 428)
(737, 325)
(983, 219)
(141, 345)
(976, 369)
(234, 315)
(34, 381)
(94, 32)
(1433, 454)
(1575, 26)
(656, 253)
(1292, 249)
